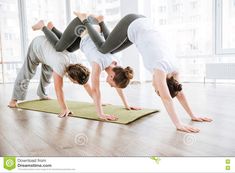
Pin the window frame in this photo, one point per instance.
(218, 19)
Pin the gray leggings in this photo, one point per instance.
(117, 40)
(27, 72)
(70, 39)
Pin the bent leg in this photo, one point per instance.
(74, 46)
(116, 38)
(46, 74)
(26, 73)
(57, 32)
(124, 45)
(104, 30)
(71, 33)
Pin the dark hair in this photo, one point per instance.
(122, 76)
(174, 86)
(78, 73)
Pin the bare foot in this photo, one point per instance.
(45, 98)
(81, 16)
(38, 26)
(13, 104)
(100, 18)
(50, 25)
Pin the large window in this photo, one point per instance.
(48, 10)
(195, 32)
(228, 24)
(108, 8)
(10, 45)
(188, 25)
(225, 23)
(13, 32)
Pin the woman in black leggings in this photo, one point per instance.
(157, 58)
(70, 39)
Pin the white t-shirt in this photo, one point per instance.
(151, 45)
(47, 54)
(93, 55)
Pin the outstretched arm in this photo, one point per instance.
(185, 104)
(124, 100)
(88, 89)
(159, 82)
(95, 90)
(58, 85)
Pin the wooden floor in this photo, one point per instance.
(28, 133)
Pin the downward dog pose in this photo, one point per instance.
(157, 58)
(56, 64)
(118, 76)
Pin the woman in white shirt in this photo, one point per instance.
(157, 57)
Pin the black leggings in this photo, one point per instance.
(70, 39)
(117, 40)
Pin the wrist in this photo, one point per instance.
(192, 116)
(178, 124)
(65, 108)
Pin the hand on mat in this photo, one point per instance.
(201, 119)
(187, 128)
(108, 117)
(133, 108)
(65, 113)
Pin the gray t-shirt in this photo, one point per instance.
(46, 54)
(93, 55)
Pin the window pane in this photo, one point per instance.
(9, 38)
(1, 74)
(188, 22)
(188, 27)
(108, 8)
(48, 10)
(228, 24)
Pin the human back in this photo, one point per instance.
(152, 45)
(46, 54)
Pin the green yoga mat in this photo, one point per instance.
(86, 110)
